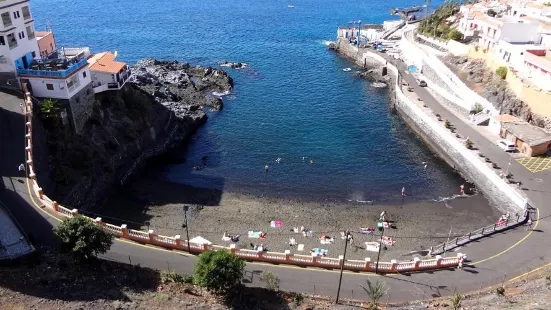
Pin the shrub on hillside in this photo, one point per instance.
(454, 35)
(80, 236)
(502, 72)
(219, 272)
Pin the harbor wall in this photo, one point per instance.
(442, 141)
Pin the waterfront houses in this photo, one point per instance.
(107, 74)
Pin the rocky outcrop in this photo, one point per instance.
(181, 86)
(156, 111)
(233, 65)
(495, 90)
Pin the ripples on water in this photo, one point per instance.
(293, 101)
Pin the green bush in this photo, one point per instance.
(374, 291)
(80, 236)
(447, 124)
(469, 144)
(173, 277)
(298, 299)
(219, 272)
(271, 279)
(502, 72)
(454, 35)
(500, 291)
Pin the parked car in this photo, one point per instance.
(422, 83)
(506, 145)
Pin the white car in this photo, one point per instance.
(506, 145)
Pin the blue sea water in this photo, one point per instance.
(293, 101)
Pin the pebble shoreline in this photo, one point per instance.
(418, 224)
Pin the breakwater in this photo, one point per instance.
(425, 124)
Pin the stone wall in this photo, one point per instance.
(80, 107)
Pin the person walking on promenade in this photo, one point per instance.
(460, 262)
(529, 224)
(21, 167)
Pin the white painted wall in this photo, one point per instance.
(520, 33)
(511, 54)
(61, 90)
(101, 78)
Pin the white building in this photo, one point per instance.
(59, 78)
(107, 74)
(18, 45)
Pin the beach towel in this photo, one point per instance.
(372, 246)
(254, 234)
(276, 224)
(226, 238)
(326, 241)
(387, 240)
(300, 247)
(318, 252)
(500, 223)
(365, 230)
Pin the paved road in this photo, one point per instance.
(503, 256)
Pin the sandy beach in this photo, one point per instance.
(157, 205)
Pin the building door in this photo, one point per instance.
(25, 63)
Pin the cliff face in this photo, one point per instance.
(124, 129)
(496, 91)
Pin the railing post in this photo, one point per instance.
(232, 248)
(438, 260)
(98, 222)
(417, 263)
(394, 264)
(55, 206)
(367, 261)
(482, 233)
(40, 193)
(178, 240)
(152, 236)
(74, 212)
(469, 235)
(124, 231)
(287, 255)
(495, 226)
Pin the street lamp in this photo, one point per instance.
(359, 22)
(186, 208)
(342, 265)
(380, 245)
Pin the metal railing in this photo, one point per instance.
(480, 233)
(60, 74)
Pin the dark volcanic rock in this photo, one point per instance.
(181, 84)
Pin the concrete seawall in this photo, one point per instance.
(441, 140)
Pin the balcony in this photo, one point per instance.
(58, 68)
(12, 43)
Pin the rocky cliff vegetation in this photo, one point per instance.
(159, 107)
(495, 89)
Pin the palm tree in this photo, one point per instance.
(374, 291)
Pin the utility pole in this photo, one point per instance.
(186, 207)
(380, 245)
(427, 3)
(342, 265)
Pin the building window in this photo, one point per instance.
(6, 20)
(21, 34)
(30, 32)
(84, 74)
(16, 15)
(26, 12)
(2, 40)
(12, 42)
(522, 53)
(50, 86)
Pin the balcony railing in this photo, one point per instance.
(57, 74)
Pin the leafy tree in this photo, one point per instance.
(454, 35)
(502, 72)
(374, 291)
(469, 144)
(219, 272)
(82, 237)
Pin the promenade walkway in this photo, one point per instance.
(493, 260)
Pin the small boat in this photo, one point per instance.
(379, 84)
(346, 69)
(291, 6)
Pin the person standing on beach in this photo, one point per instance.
(460, 262)
(462, 189)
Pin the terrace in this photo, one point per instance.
(65, 63)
